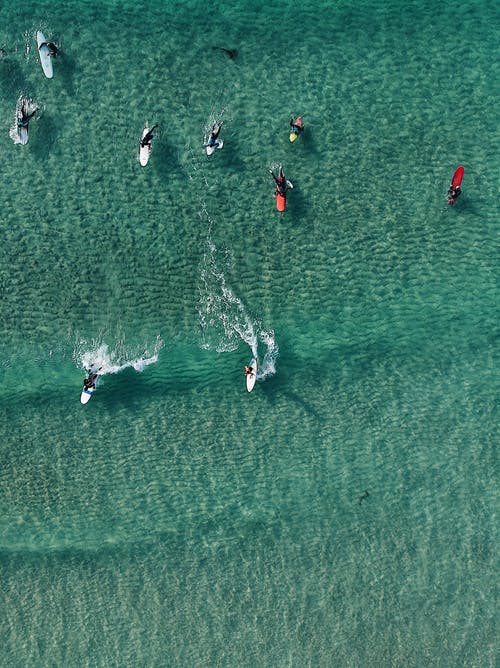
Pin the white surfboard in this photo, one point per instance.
(251, 377)
(218, 144)
(144, 151)
(27, 106)
(22, 130)
(23, 134)
(45, 57)
(86, 394)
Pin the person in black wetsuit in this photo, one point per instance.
(453, 194)
(148, 137)
(89, 382)
(26, 115)
(53, 49)
(212, 140)
(281, 182)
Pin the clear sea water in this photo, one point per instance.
(344, 512)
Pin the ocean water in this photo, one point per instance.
(344, 512)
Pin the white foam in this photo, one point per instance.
(100, 356)
(268, 364)
(27, 43)
(224, 318)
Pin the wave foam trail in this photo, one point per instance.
(268, 365)
(224, 319)
(99, 356)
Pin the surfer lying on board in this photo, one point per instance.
(53, 49)
(89, 382)
(212, 140)
(453, 194)
(26, 115)
(248, 370)
(148, 137)
(282, 184)
(297, 124)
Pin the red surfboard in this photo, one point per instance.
(457, 177)
(280, 202)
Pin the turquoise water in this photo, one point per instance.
(177, 520)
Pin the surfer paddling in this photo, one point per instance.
(213, 141)
(282, 184)
(25, 114)
(145, 144)
(89, 382)
(148, 137)
(453, 194)
(456, 182)
(53, 49)
(297, 126)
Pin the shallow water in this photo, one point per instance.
(177, 520)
